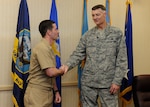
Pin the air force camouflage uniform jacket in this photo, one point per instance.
(106, 57)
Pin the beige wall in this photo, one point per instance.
(70, 22)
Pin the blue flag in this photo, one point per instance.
(21, 55)
(84, 29)
(126, 88)
(56, 47)
(108, 11)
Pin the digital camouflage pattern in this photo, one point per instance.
(106, 57)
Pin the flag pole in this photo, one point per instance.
(127, 88)
(56, 47)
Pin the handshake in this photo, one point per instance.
(63, 69)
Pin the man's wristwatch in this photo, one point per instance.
(55, 91)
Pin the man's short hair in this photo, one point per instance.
(99, 6)
(44, 26)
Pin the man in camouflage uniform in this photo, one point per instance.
(106, 61)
